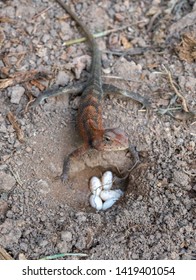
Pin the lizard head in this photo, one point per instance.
(115, 139)
(109, 139)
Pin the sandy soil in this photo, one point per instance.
(39, 216)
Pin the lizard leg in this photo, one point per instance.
(130, 94)
(132, 149)
(137, 97)
(55, 91)
(68, 159)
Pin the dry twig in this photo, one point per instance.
(19, 78)
(16, 176)
(16, 126)
(97, 35)
(184, 104)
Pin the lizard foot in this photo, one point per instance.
(64, 178)
(132, 149)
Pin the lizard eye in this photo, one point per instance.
(107, 138)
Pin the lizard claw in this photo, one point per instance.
(132, 149)
(63, 178)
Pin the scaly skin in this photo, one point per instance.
(90, 113)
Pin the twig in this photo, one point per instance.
(184, 105)
(151, 23)
(20, 77)
(42, 12)
(4, 255)
(19, 132)
(16, 176)
(64, 255)
(189, 173)
(121, 78)
(130, 52)
(97, 35)
(162, 111)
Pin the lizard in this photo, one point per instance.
(89, 119)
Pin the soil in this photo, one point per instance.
(39, 215)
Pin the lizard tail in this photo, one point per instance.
(96, 54)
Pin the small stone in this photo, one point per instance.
(3, 128)
(42, 52)
(81, 243)
(62, 79)
(23, 246)
(43, 187)
(3, 166)
(6, 181)
(45, 38)
(28, 149)
(135, 256)
(16, 94)
(182, 179)
(62, 246)
(66, 236)
(21, 256)
(3, 207)
(174, 256)
(43, 243)
(119, 17)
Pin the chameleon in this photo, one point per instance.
(89, 119)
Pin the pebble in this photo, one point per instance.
(62, 78)
(16, 94)
(23, 246)
(45, 38)
(43, 243)
(21, 256)
(43, 186)
(7, 181)
(3, 128)
(3, 207)
(66, 236)
(62, 246)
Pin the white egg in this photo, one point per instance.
(95, 185)
(108, 203)
(107, 180)
(96, 202)
(108, 194)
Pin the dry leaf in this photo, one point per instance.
(2, 36)
(153, 10)
(37, 84)
(4, 255)
(12, 119)
(6, 19)
(19, 77)
(126, 44)
(187, 48)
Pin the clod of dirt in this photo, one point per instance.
(7, 181)
(16, 94)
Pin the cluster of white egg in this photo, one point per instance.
(102, 196)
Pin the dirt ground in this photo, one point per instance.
(39, 216)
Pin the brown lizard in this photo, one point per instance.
(89, 120)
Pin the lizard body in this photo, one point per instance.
(89, 120)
